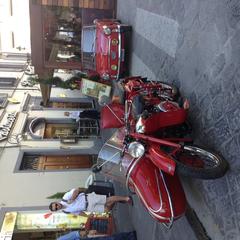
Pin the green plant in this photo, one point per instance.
(58, 195)
(71, 83)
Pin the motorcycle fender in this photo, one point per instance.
(162, 160)
(160, 193)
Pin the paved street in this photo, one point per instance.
(195, 45)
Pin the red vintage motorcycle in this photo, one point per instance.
(149, 164)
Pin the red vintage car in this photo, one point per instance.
(103, 48)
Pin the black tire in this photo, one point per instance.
(125, 28)
(173, 90)
(217, 168)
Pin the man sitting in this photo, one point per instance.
(76, 202)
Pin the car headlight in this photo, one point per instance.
(114, 42)
(105, 76)
(114, 67)
(136, 149)
(107, 30)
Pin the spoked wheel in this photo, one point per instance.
(196, 162)
(170, 90)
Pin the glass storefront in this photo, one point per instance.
(35, 224)
(62, 35)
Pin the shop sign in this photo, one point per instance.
(8, 226)
(95, 89)
(7, 124)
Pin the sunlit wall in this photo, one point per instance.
(14, 25)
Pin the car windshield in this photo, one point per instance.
(88, 47)
(88, 39)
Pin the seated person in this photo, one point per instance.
(76, 202)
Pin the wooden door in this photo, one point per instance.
(65, 162)
(85, 105)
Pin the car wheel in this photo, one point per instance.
(126, 28)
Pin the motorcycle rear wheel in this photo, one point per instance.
(197, 162)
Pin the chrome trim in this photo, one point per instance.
(101, 150)
(106, 76)
(110, 145)
(168, 225)
(119, 50)
(128, 178)
(33, 124)
(160, 197)
(106, 29)
(198, 150)
(114, 114)
(116, 30)
(130, 171)
(109, 160)
(149, 209)
(109, 55)
(152, 211)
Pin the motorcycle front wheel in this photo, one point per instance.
(197, 162)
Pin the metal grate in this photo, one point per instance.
(88, 128)
(29, 163)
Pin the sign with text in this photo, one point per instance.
(8, 226)
(95, 89)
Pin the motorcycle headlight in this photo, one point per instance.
(136, 149)
(107, 30)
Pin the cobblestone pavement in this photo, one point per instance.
(195, 45)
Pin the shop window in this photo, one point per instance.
(85, 128)
(41, 128)
(88, 127)
(56, 162)
(62, 31)
(60, 130)
(39, 224)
